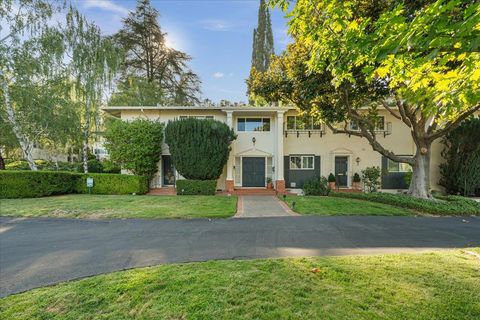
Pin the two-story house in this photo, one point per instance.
(278, 143)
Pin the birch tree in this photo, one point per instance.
(93, 64)
(31, 54)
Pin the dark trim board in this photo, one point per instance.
(299, 176)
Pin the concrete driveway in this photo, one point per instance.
(39, 252)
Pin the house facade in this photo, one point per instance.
(280, 144)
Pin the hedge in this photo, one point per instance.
(107, 183)
(445, 205)
(196, 187)
(32, 184)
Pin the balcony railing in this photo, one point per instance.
(386, 131)
(308, 132)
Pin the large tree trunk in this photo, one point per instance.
(420, 184)
(25, 145)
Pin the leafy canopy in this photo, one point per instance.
(199, 148)
(135, 145)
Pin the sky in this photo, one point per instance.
(217, 34)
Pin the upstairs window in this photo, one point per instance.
(379, 127)
(303, 123)
(253, 124)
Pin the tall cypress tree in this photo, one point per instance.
(262, 39)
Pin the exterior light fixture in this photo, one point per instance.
(357, 160)
(254, 140)
(273, 168)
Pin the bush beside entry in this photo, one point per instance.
(196, 187)
(316, 187)
(32, 184)
(199, 148)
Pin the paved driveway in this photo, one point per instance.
(38, 252)
(262, 206)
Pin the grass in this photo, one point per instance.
(330, 206)
(124, 206)
(438, 285)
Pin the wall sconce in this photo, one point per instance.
(233, 167)
(273, 169)
(254, 140)
(357, 160)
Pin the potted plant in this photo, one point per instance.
(356, 181)
(269, 183)
(331, 181)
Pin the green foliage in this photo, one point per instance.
(199, 148)
(135, 145)
(461, 170)
(94, 166)
(31, 184)
(196, 187)
(356, 177)
(371, 178)
(408, 178)
(316, 187)
(43, 165)
(104, 183)
(153, 61)
(263, 49)
(451, 205)
(136, 91)
(331, 178)
(110, 167)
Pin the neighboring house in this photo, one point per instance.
(277, 143)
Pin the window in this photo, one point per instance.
(196, 117)
(393, 166)
(301, 162)
(253, 124)
(380, 124)
(303, 123)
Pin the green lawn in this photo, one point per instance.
(439, 285)
(330, 206)
(125, 206)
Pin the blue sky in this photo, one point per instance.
(216, 33)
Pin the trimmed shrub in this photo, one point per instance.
(371, 178)
(316, 187)
(461, 170)
(135, 145)
(32, 184)
(106, 183)
(110, 167)
(356, 177)
(199, 148)
(331, 178)
(444, 205)
(196, 187)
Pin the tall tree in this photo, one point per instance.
(93, 66)
(420, 61)
(148, 56)
(262, 39)
(34, 90)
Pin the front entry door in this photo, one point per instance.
(168, 171)
(341, 171)
(253, 172)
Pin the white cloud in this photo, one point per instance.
(218, 75)
(216, 25)
(107, 5)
